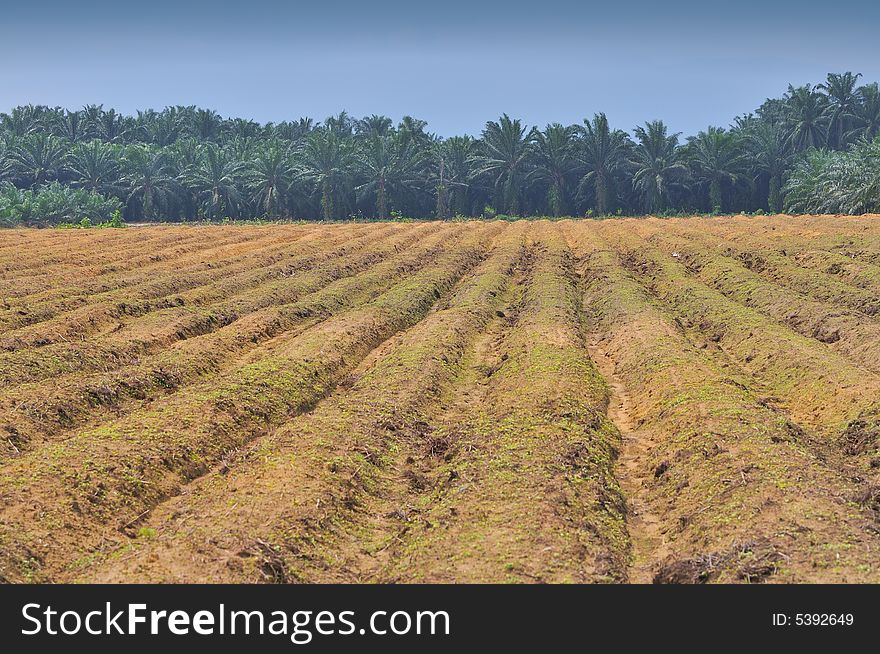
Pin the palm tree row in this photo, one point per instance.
(185, 163)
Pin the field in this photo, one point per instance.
(634, 400)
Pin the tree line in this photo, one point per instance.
(815, 149)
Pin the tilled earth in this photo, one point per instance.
(631, 400)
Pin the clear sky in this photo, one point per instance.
(455, 63)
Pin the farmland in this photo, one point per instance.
(683, 400)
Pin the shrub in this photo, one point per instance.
(836, 182)
(55, 204)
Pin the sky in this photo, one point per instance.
(455, 64)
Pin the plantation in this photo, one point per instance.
(681, 400)
(813, 150)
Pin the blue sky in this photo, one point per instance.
(455, 64)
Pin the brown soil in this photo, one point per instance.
(667, 401)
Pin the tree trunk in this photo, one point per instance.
(381, 202)
(442, 201)
(148, 203)
(715, 195)
(774, 200)
(601, 194)
(327, 201)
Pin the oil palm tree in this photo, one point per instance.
(94, 166)
(506, 160)
(716, 160)
(71, 125)
(326, 162)
(150, 185)
(413, 129)
(23, 120)
(657, 163)
(391, 166)
(107, 125)
(293, 131)
(866, 114)
(239, 128)
(215, 180)
(162, 128)
(770, 158)
(602, 152)
(806, 118)
(36, 158)
(269, 176)
(206, 124)
(555, 163)
(842, 97)
(454, 162)
(341, 124)
(5, 141)
(373, 126)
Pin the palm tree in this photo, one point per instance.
(341, 124)
(602, 152)
(658, 167)
(391, 166)
(71, 125)
(241, 149)
(506, 160)
(454, 161)
(373, 126)
(36, 158)
(105, 125)
(206, 124)
(806, 119)
(184, 154)
(5, 141)
(269, 177)
(151, 186)
(554, 163)
(866, 114)
(770, 157)
(23, 120)
(293, 131)
(810, 187)
(327, 159)
(94, 166)
(215, 181)
(413, 129)
(841, 91)
(161, 128)
(716, 160)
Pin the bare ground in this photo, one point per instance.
(683, 401)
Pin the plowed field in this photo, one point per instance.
(686, 401)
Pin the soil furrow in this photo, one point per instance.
(298, 477)
(34, 414)
(728, 488)
(818, 387)
(102, 482)
(151, 333)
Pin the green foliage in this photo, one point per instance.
(116, 219)
(55, 204)
(187, 163)
(603, 154)
(716, 162)
(826, 181)
(659, 167)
